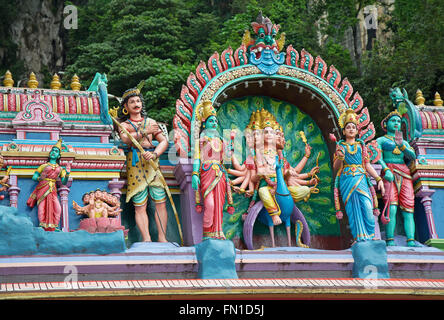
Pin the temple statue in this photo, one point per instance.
(352, 163)
(101, 209)
(143, 180)
(397, 179)
(210, 178)
(45, 193)
(277, 185)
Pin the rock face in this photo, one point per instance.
(38, 32)
(18, 236)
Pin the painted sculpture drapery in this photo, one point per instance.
(210, 179)
(397, 179)
(353, 164)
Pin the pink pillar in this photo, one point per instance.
(13, 191)
(425, 194)
(115, 186)
(63, 193)
(427, 202)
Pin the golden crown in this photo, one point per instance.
(387, 117)
(349, 116)
(130, 92)
(58, 145)
(261, 119)
(205, 110)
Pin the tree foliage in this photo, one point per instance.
(162, 41)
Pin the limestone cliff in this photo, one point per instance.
(38, 32)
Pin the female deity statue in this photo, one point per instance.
(210, 178)
(352, 162)
(45, 193)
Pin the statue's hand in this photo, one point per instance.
(314, 171)
(148, 155)
(339, 152)
(152, 128)
(68, 168)
(381, 187)
(389, 176)
(313, 181)
(195, 182)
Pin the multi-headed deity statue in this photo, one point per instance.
(269, 175)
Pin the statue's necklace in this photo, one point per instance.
(351, 145)
(215, 144)
(396, 150)
(271, 163)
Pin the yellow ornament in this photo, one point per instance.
(437, 101)
(8, 81)
(55, 83)
(32, 82)
(205, 110)
(419, 100)
(75, 83)
(349, 116)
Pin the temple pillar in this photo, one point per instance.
(63, 193)
(425, 194)
(191, 220)
(115, 186)
(13, 191)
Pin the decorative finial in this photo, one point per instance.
(32, 82)
(419, 100)
(75, 83)
(8, 81)
(437, 101)
(55, 83)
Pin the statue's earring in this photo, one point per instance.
(125, 111)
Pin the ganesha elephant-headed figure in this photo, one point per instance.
(267, 174)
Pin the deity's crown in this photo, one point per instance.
(205, 110)
(130, 92)
(387, 117)
(260, 119)
(58, 145)
(348, 116)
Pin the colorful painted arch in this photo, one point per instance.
(226, 76)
